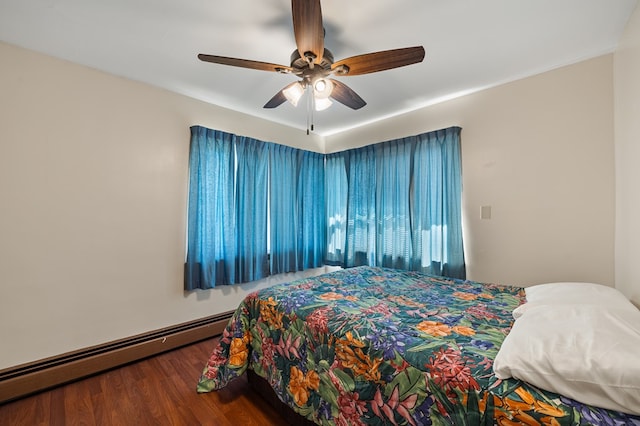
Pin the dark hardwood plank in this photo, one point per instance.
(155, 391)
(56, 412)
(77, 400)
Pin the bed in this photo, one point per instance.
(378, 346)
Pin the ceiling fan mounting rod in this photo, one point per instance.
(308, 61)
(310, 57)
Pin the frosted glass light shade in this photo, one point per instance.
(293, 93)
(322, 103)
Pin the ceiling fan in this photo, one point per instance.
(313, 64)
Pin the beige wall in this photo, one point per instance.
(93, 189)
(539, 151)
(93, 184)
(627, 158)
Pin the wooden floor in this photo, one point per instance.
(155, 391)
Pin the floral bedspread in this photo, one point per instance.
(380, 346)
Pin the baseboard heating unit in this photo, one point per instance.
(26, 379)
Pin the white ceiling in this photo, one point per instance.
(470, 45)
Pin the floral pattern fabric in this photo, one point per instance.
(384, 347)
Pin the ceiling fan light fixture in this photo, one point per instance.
(322, 88)
(313, 64)
(322, 103)
(293, 93)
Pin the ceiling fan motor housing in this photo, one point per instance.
(299, 62)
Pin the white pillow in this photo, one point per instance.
(568, 293)
(587, 353)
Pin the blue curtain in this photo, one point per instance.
(211, 214)
(437, 211)
(232, 181)
(251, 212)
(258, 208)
(283, 209)
(227, 213)
(336, 192)
(402, 205)
(312, 232)
(298, 224)
(360, 246)
(393, 184)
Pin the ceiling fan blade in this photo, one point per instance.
(345, 95)
(245, 63)
(379, 61)
(276, 101)
(307, 27)
(279, 97)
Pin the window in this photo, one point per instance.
(394, 204)
(398, 205)
(246, 195)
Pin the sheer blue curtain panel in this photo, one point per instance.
(312, 232)
(336, 193)
(255, 209)
(284, 209)
(361, 207)
(437, 212)
(251, 209)
(398, 204)
(211, 212)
